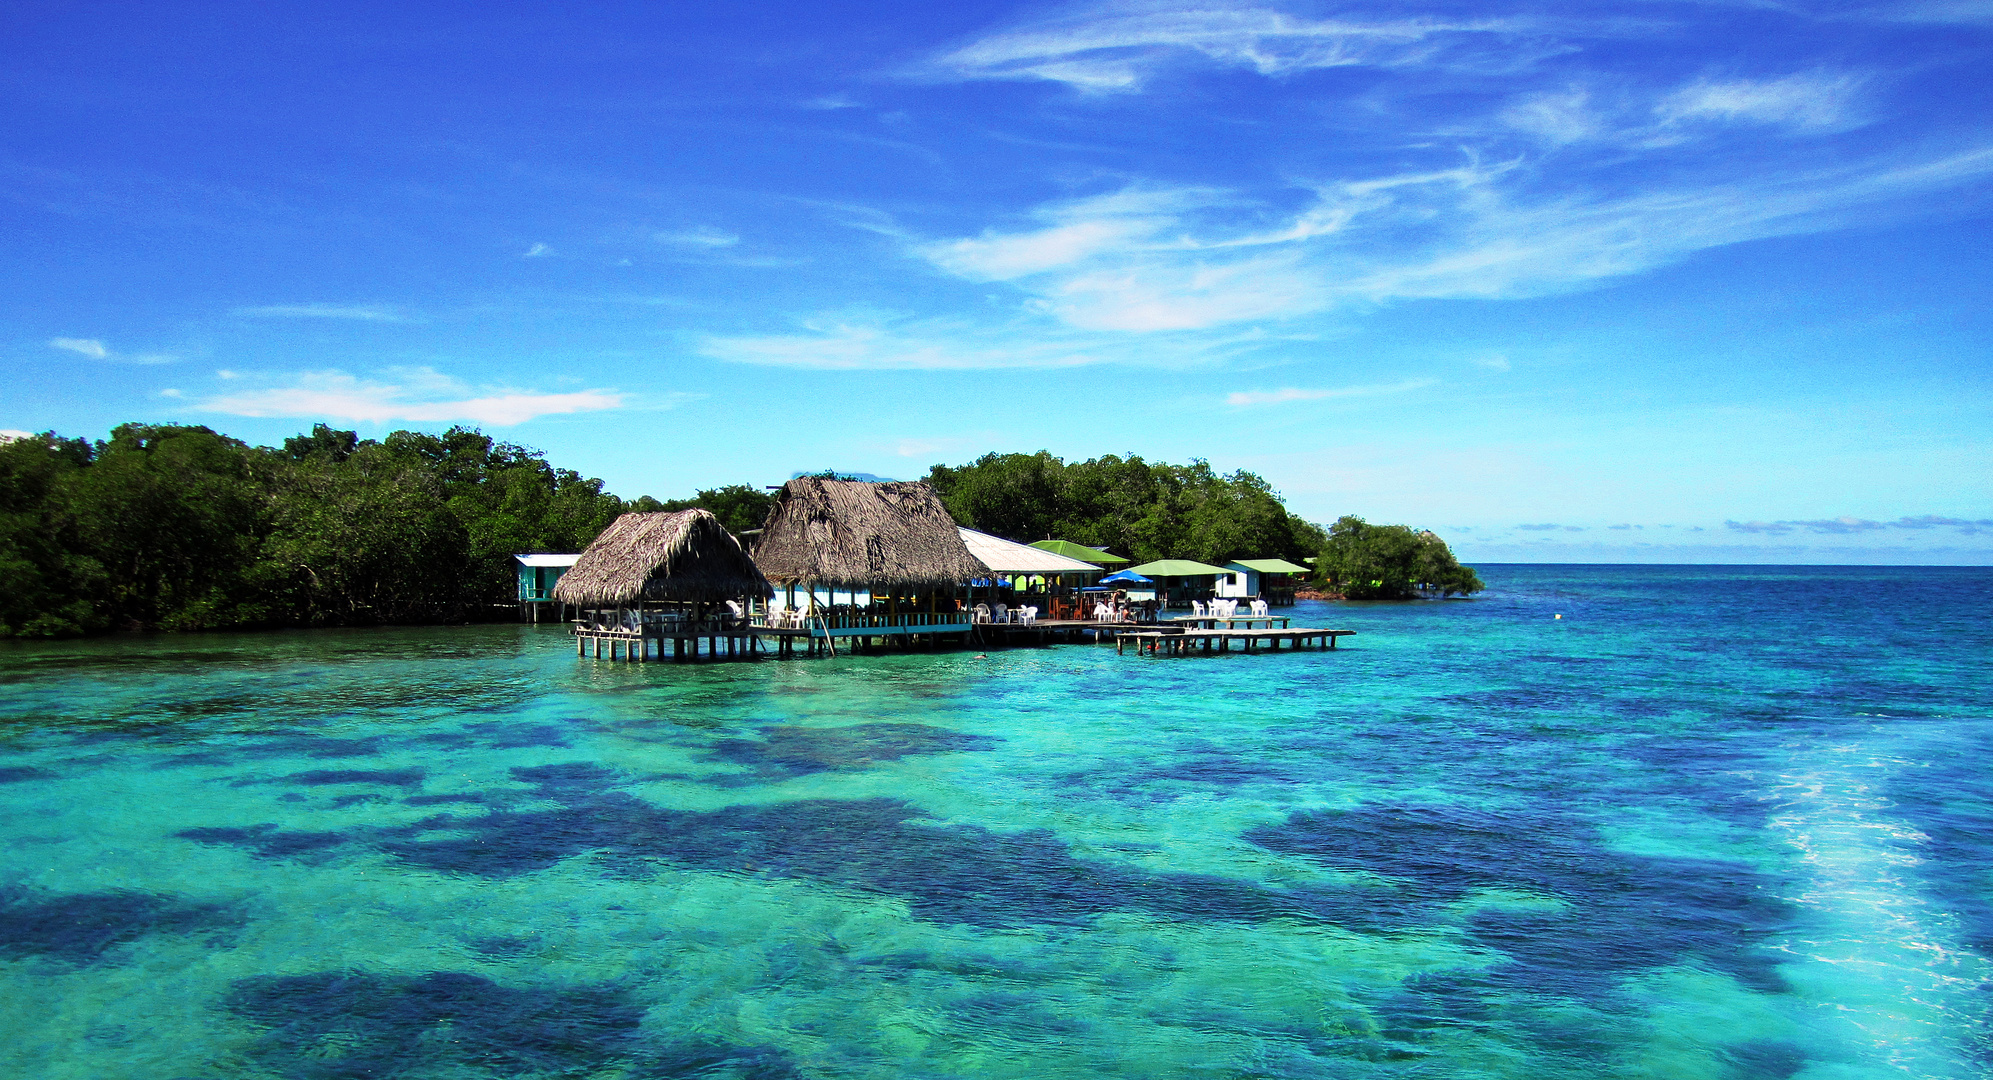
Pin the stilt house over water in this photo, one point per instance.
(663, 574)
(859, 559)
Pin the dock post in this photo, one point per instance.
(580, 645)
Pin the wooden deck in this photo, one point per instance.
(747, 642)
(1173, 642)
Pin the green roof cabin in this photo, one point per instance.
(1178, 581)
(1271, 580)
(1079, 551)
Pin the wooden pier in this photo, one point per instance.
(818, 635)
(1175, 642)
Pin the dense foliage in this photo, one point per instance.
(1391, 562)
(1132, 507)
(741, 508)
(182, 528)
(178, 527)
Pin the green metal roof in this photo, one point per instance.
(1269, 566)
(1076, 551)
(1177, 568)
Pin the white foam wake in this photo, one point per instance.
(1888, 991)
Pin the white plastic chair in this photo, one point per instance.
(980, 614)
(1197, 608)
(999, 613)
(1027, 615)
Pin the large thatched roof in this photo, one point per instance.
(849, 532)
(686, 555)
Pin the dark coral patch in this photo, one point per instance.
(268, 841)
(79, 928)
(18, 774)
(785, 750)
(401, 778)
(350, 1025)
(502, 736)
(952, 874)
(1619, 912)
(476, 798)
(282, 746)
(1190, 769)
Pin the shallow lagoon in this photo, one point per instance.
(1711, 823)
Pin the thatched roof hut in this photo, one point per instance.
(687, 555)
(853, 533)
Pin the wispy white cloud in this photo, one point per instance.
(538, 251)
(1149, 260)
(871, 346)
(89, 347)
(1248, 398)
(419, 395)
(1117, 49)
(1808, 101)
(97, 350)
(356, 312)
(697, 238)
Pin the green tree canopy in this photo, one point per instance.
(1132, 507)
(1391, 562)
(742, 508)
(178, 527)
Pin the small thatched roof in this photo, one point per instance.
(687, 555)
(849, 532)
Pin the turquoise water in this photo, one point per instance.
(1711, 823)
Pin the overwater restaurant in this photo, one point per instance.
(850, 559)
(650, 577)
(1027, 576)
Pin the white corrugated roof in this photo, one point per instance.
(546, 560)
(1004, 557)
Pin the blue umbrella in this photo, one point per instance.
(1127, 575)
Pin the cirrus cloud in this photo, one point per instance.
(1247, 398)
(419, 395)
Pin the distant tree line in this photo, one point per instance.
(180, 528)
(1141, 509)
(1154, 510)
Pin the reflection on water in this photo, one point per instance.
(1712, 823)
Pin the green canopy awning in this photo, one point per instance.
(1078, 551)
(1270, 566)
(1177, 568)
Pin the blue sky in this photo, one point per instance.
(1633, 282)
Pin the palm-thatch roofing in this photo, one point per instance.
(894, 534)
(686, 555)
